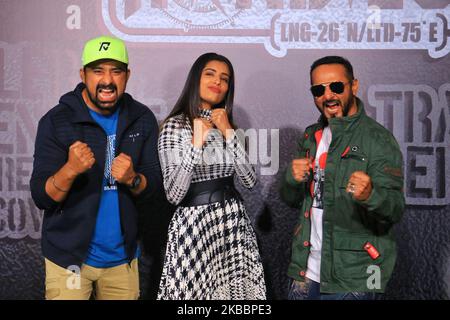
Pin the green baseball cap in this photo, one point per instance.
(104, 47)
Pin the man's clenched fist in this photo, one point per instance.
(301, 169)
(122, 169)
(359, 185)
(81, 157)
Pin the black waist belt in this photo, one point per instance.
(210, 191)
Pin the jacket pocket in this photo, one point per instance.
(352, 161)
(350, 259)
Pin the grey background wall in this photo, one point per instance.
(398, 48)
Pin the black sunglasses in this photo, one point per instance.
(336, 87)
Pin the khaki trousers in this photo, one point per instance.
(116, 283)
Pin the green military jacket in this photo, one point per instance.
(358, 143)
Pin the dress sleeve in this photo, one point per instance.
(178, 159)
(242, 166)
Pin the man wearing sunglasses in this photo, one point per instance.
(347, 180)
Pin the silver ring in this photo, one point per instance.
(351, 188)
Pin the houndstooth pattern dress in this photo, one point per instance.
(212, 251)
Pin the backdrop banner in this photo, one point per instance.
(400, 53)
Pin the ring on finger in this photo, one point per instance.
(351, 188)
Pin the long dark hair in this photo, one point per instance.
(189, 101)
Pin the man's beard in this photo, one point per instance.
(98, 104)
(345, 108)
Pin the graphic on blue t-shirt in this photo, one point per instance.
(107, 246)
(110, 182)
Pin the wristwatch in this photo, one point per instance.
(136, 182)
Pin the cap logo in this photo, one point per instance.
(104, 46)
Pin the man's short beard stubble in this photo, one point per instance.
(345, 108)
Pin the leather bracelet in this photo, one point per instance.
(57, 188)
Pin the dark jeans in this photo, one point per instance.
(310, 290)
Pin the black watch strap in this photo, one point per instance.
(136, 182)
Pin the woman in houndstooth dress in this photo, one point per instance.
(212, 251)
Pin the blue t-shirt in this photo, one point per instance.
(107, 245)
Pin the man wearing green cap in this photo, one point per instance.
(95, 158)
